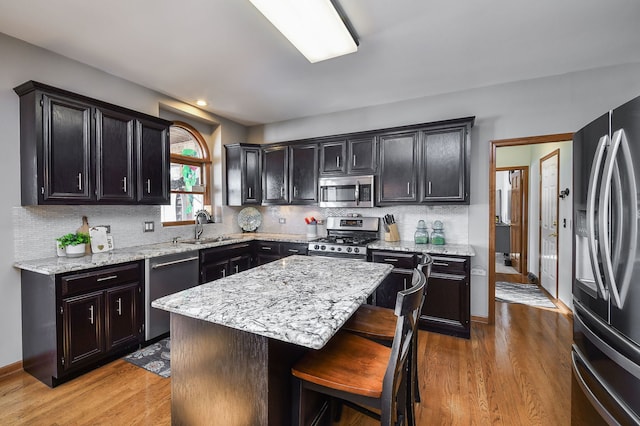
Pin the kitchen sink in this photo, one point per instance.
(206, 240)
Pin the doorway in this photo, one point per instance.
(493, 166)
(549, 182)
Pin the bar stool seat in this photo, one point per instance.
(373, 322)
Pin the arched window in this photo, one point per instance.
(190, 175)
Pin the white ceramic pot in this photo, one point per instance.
(75, 251)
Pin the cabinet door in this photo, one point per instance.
(303, 170)
(362, 156)
(332, 157)
(214, 270)
(83, 337)
(252, 191)
(444, 161)
(274, 175)
(446, 305)
(67, 150)
(152, 140)
(398, 168)
(387, 292)
(115, 179)
(122, 327)
(239, 264)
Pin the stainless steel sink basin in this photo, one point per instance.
(206, 240)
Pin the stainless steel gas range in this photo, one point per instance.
(347, 237)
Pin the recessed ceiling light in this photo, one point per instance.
(200, 102)
(314, 27)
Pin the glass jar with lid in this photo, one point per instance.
(437, 235)
(421, 235)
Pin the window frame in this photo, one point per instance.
(204, 163)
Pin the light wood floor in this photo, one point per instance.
(516, 373)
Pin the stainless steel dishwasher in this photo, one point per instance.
(166, 275)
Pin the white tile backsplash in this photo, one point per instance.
(37, 227)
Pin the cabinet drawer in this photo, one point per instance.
(288, 249)
(224, 252)
(449, 265)
(103, 278)
(397, 259)
(268, 247)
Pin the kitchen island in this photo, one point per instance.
(234, 340)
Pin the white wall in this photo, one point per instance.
(512, 156)
(550, 105)
(22, 62)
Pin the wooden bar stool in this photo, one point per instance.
(378, 324)
(362, 373)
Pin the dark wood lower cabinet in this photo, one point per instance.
(387, 292)
(446, 306)
(74, 322)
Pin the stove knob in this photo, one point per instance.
(339, 248)
(333, 248)
(323, 247)
(349, 249)
(316, 247)
(356, 250)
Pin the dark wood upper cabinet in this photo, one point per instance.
(444, 159)
(362, 158)
(303, 174)
(333, 157)
(275, 165)
(244, 180)
(398, 168)
(79, 150)
(115, 179)
(65, 163)
(153, 162)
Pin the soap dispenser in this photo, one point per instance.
(421, 235)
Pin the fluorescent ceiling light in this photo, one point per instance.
(314, 27)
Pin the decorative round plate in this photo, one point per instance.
(249, 219)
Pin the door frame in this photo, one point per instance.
(493, 146)
(555, 152)
(524, 233)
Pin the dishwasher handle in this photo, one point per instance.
(174, 262)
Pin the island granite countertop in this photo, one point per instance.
(302, 300)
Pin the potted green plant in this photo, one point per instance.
(74, 245)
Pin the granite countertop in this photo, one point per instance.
(450, 249)
(59, 265)
(302, 300)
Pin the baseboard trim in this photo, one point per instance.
(10, 369)
(483, 320)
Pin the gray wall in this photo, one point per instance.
(550, 105)
(22, 62)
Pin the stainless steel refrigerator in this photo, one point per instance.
(606, 280)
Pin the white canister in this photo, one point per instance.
(312, 230)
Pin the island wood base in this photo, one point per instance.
(220, 375)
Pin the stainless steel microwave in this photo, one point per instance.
(346, 191)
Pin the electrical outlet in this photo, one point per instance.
(282, 221)
(148, 226)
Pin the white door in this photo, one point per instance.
(549, 223)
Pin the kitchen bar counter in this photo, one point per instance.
(234, 340)
(302, 300)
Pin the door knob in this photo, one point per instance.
(553, 234)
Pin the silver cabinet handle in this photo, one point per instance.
(440, 264)
(338, 162)
(224, 273)
(429, 187)
(110, 277)
(79, 181)
(175, 262)
(91, 314)
(265, 248)
(404, 280)
(237, 269)
(124, 184)
(119, 308)
(591, 215)
(148, 186)
(282, 191)
(408, 188)
(390, 259)
(354, 160)
(295, 191)
(293, 251)
(249, 192)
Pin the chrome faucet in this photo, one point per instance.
(202, 216)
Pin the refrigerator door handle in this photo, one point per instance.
(591, 213)
(578, 357)
(618, 142)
